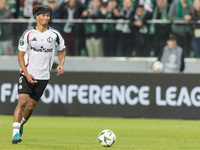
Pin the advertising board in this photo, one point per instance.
(111, 95)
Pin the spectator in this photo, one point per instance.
(56, 15)
(148, 7)
(21, 9)
(109, 38)
(169, 2)
(181, 10)
(72, 33)
(120, 3)
(172, 57)
(196, 28)
(140, 30)
(159, 32)
(6, 42)
(125, 35)
(93, 31)
(28, 7)
(16, 8)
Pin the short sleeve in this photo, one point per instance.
(60, 43)
(23, 42)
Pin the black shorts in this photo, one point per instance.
(35, 91)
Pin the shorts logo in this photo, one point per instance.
(20, 83)
(21, 42)
(49, 39)
(20, 79)
(20, 86)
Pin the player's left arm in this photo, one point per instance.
(61, 58)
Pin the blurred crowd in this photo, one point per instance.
(137, 38)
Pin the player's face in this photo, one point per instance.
(43, 19)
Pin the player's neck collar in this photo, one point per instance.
(47, 28)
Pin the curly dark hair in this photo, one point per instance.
(40, 9)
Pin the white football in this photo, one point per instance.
(107, 138)
(158, 66)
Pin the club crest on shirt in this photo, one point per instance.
(21, 42)
(49, 39)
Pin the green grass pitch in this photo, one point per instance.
(81, 133)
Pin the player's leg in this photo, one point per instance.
(32, 101)
(27, 113)
(23, 98)
(28, 110)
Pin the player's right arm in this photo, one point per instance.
(21, 61)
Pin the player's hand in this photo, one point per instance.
(31, 79)
(60, 70)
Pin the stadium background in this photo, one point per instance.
(145, 94)
(149, 95)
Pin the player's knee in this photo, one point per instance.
(23, 98)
